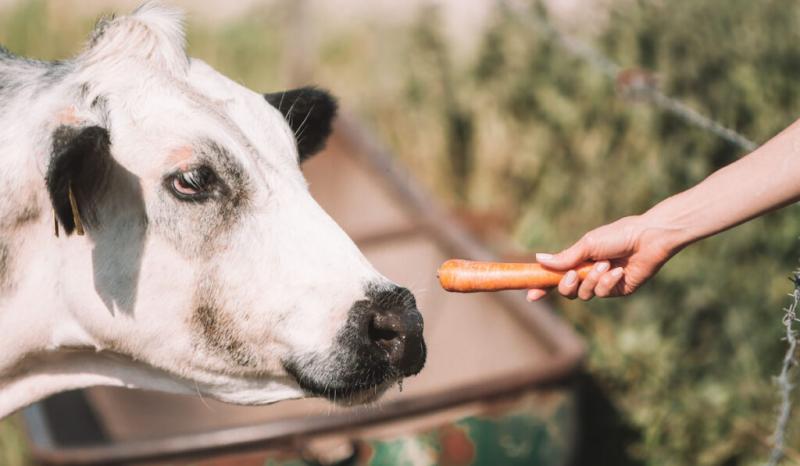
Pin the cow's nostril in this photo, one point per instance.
(387, 332)
(398, 334)
(380, 334)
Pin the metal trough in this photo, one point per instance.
(489, 393)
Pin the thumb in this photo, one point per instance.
(566, 259)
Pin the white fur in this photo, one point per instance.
(287, 274)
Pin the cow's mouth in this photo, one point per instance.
(343, 387)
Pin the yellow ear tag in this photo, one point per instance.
(76, 216)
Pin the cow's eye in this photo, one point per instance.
(194, 184)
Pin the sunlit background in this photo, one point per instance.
(531, 146)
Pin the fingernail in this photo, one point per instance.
(601, 266)
(543, 257)
(570, 278)
(616, 273)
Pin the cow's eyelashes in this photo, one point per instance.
(194, 184)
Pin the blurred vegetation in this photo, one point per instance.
(523, 130)
(13, 451)
(690, 359)
(549, 142)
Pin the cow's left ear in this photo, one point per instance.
(310, 113)
(78, 173)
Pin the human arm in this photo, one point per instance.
(631, 250)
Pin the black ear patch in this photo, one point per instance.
(81, 159)
(310, 113)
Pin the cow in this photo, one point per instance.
(156, 232)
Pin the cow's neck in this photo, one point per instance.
(38, 335)
(52, 372)
(42, 375)
(43, 348)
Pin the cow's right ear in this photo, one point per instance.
(78, 173)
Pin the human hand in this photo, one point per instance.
(627, 253)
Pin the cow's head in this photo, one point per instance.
(204, 255)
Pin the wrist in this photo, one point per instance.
(667, 231)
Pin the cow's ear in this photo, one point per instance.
(310, 113)
(78, 173)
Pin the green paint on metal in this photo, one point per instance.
(405, 451)
(526, 434)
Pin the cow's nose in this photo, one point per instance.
(395, 326)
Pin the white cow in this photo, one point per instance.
(206, 267)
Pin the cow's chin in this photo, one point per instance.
(348, 396)
(344, 387)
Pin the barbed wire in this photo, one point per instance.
(639, 83)
(784, 383)
(632, 82)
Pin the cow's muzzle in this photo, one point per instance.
(380, 343)
(393, 327)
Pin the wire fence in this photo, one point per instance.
(641, 84)
(784, 381)
(633, 82)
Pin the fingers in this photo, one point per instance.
(565, 259)
(605, 287)
(536, 294)
(599, 282)
(586, 288)
(569, 284)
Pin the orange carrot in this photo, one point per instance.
(470, 276)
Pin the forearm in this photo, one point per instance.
(762, 181)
